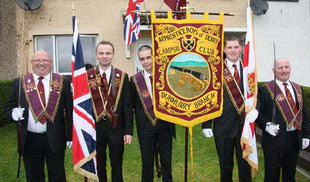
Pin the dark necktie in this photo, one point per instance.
(151, 78)
(290, 99)
(236, 74)
(42, 97)
(104, 83)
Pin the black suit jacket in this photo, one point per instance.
(227, 125)
(60, 130)
(140, 115)
(124, 110)
(265, 115)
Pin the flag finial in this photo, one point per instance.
(73, 8)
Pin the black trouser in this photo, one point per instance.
(284, 158)
(116, 151)
(153, 136)
(36, 152)
(225, 150)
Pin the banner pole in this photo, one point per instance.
(184, 12)
(186, 155)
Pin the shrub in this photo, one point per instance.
(5, 89)
(307, 99)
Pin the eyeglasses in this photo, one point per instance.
(40, 61)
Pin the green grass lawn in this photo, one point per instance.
(205, 168)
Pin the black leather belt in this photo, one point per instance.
(37, 134)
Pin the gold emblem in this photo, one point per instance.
(117, 82)
(98, 80)
(55, 85)
(280, 97)
(188, 44)
(31, 86)
(93, 83)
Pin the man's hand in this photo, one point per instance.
(69, 144)
(207, 132)
(305, 143)
(252, 115)
(17, 113)
(127, 139)
(272, 128)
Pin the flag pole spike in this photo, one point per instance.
(73, 8)
(274, 81)
(182, 12)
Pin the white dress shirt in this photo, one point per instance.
(148, 82)
(33, 125)
(290, 88)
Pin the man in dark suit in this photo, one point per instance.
(228, 127)
(110, 93)
(43, 109)
(289, 130)
(154, 134)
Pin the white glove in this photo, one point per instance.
(252, 115)
(69, 144)
(272, 128)
(207, 132)
(305, 143)
(17, 113)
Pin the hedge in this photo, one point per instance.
(5, 89)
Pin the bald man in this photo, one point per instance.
(284, 137)
(43, 109)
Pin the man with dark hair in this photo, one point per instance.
(228, 127)
(289, 130)
(110, 93)
(154, 134)
(42, 106)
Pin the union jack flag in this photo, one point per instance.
(84, 131)
(132, 22)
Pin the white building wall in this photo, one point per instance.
(288, 25)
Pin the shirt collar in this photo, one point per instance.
(107, 72)
(280, 83)
(36, 77)
(230, 63)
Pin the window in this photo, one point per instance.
(59, 48)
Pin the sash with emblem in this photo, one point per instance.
(145, 97)
(287, 113)
(33, 98)
(233, 91)
(105, 104)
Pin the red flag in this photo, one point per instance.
(176, 5)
